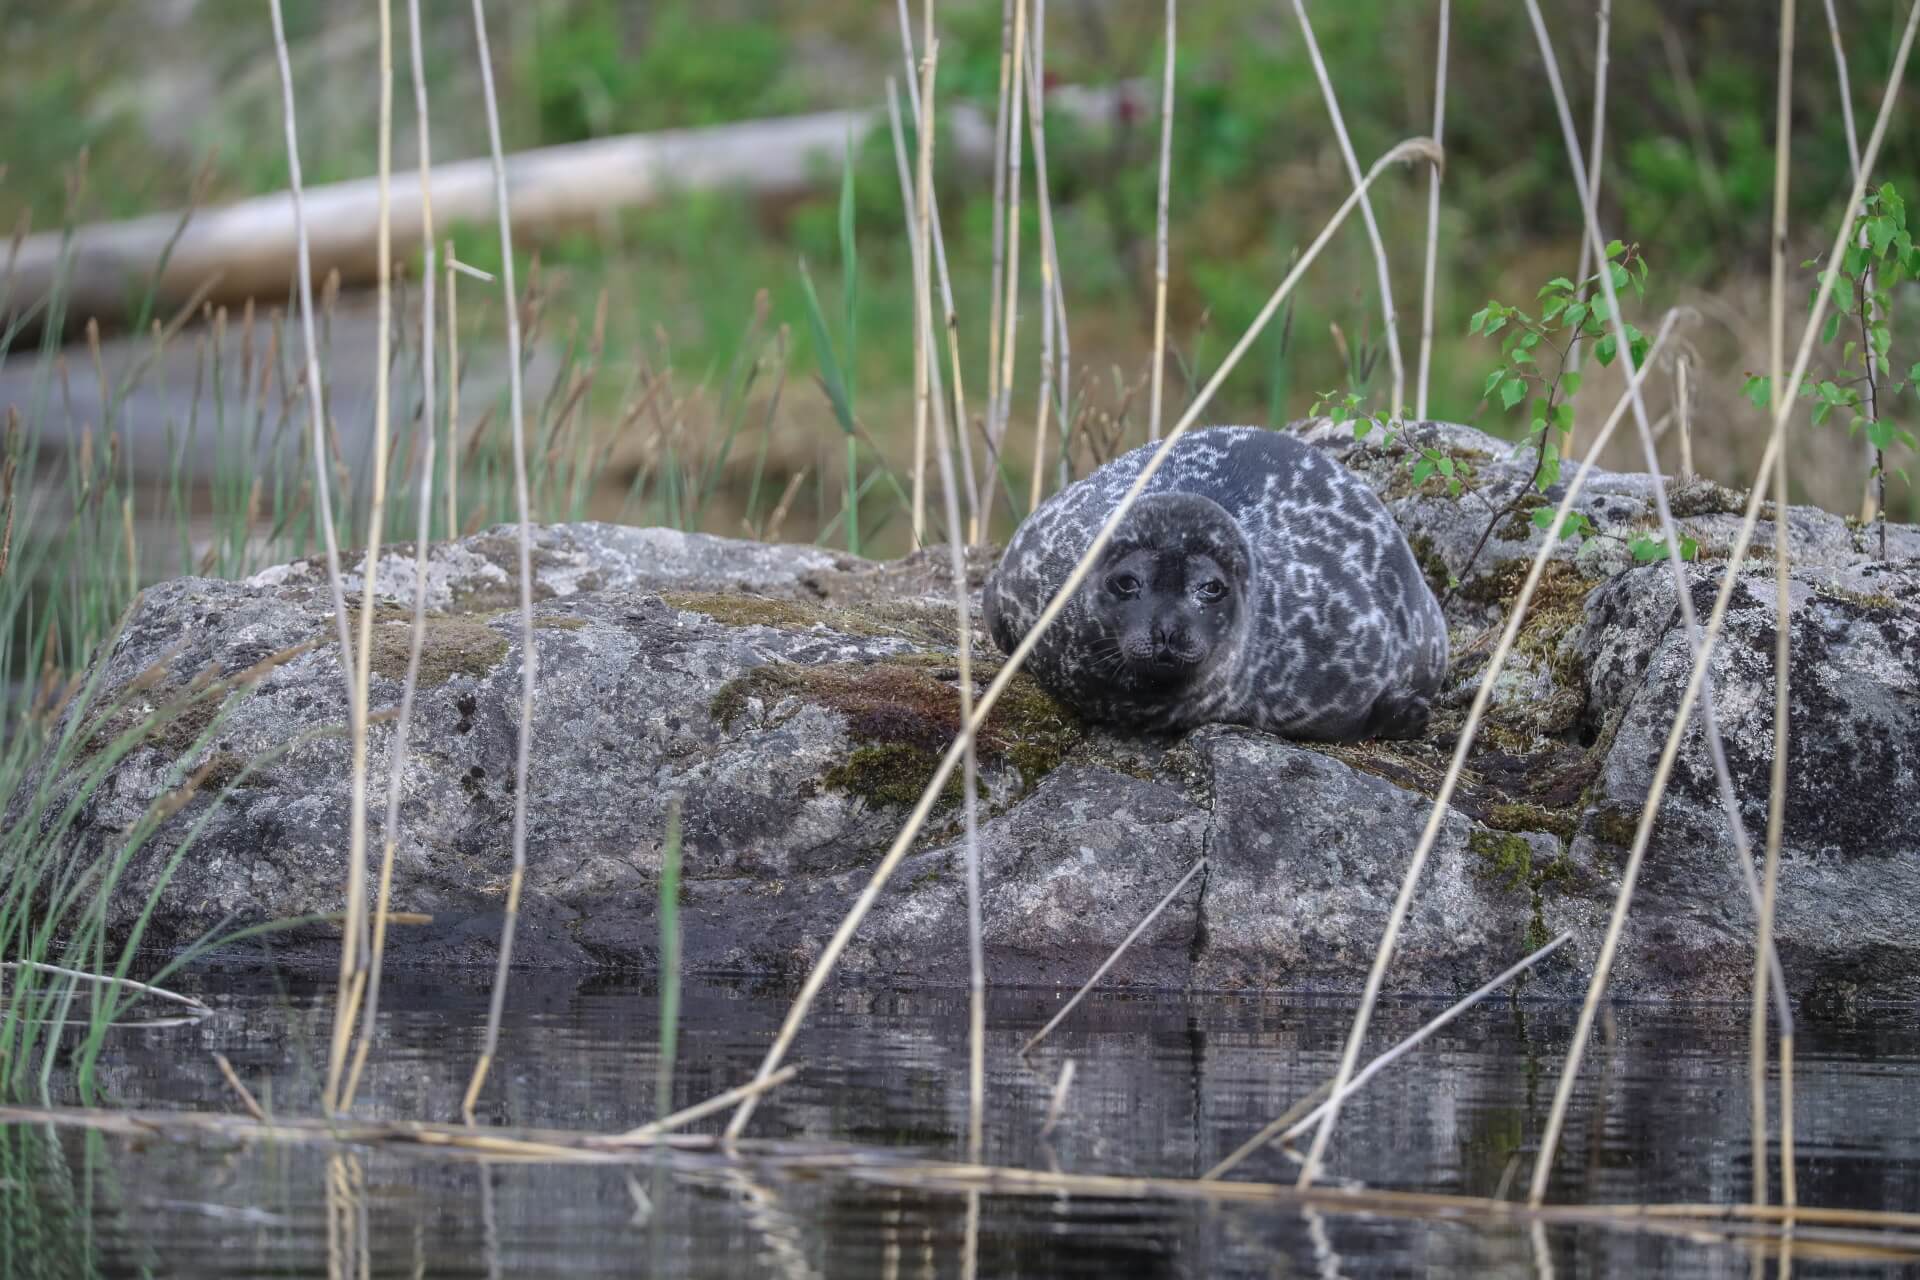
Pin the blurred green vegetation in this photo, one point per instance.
(1687, 177)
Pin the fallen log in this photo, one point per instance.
(246, 249)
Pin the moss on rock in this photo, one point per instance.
(452, 644)
(903, 712)
(1504, 857)
(1530, 817)
(896, 619)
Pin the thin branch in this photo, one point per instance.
(527, 653)
(1596, 134)
(1410, 150)
(1873, 501)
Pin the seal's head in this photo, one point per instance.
(1170, 595)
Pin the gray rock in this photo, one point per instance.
(1850, 866)
(796, 699)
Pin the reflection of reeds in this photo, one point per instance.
(1815, 1231)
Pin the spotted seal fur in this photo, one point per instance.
(1255, 582)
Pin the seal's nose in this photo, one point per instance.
(1167, 645)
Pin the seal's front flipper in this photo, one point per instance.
(1399, 713)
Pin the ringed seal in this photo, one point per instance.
(1255, 582)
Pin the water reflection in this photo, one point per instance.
(1163, 1085)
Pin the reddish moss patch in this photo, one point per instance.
(904, 712)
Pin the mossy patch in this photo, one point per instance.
(1433, 566)
(1870, 602)
(221, 768)
(892, 773)
(1530, 817)
(1615, 826)
(903, 712)
(1503, 856)
(1519, 527)
(1399, 481)
(177, 733)
(923, 624)
(1507, 859)
(1699, 496)
(452, 644)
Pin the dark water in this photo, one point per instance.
(1166, 1084)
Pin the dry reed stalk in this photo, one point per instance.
(1697, 681)
(356, 706)
(453, 394)
(347, 1005)
(680, 1119)
(963, 619)
(79, 975)
(516, 398)
(1602, 42)
(1410, 150)
(1002, 408)
(1433, 216)
(922, 384)
(1057, 1100)
(946, 294)
(1290, 1125)
(1782, 634)
(1483, 697)
(1160, 234)
(1053, 315)
(248, 1102)
(397, 756)
(1390, 320)
(1683, 413)
(996, 320)
(1113, 959)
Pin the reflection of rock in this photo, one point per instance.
(798, 700)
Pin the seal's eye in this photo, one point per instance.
(1211, 591)
(1124, 585)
